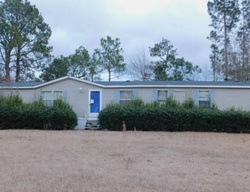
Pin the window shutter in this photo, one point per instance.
(196, 97)
(154, 95)
(117, 96)
(64, 95)
(170, 93)
(135, 94)
(39, 95)
(212, 96)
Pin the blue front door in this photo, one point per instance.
(94, 101)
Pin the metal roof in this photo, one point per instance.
(134, 84)
(174, 83)
(20, 84)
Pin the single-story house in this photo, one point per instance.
(88, 98)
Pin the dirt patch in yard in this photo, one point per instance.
(95, 161)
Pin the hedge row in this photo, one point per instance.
(164, 118)
(16, 115)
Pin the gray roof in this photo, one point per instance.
(20, 84)
(174, 83)
(134, 84)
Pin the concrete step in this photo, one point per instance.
(92, 125)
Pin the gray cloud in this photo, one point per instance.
(85, 22)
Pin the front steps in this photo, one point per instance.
(87, 124)
(92, 125)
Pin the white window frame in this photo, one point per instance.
(52, 97)
(204, 98)
(125, 101)
(162, 100)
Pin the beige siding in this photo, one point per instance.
(145, 94)
(180, 96)
(107, 97)
(28, 95)
(224, 98)
(78, 95)
(237, 98)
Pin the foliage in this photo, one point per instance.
(94, 68)
(136, 103)
(14, 114)
(230, 38)
(13, 100)
(185, 117)
(24, 39)
(243, 41)
(215, 58)
(169, 67)
(79, 65)
(170, 102)
(58, 68)
(189, 103)
(110, 56)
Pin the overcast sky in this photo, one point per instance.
(138, 24)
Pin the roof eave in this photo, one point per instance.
(54, 81)
(179, 86)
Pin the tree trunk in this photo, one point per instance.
(7, 65)
(225, 47)
(109, 71)
(244, 64)
(18, 57)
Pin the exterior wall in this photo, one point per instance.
(108, 96)
(222, 98)
(77, 94)
(181, 95)
(28, 95)
(237, 98)
(147, 94)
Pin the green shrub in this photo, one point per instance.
(188, 103)
(155, 117)
(135, 103)
(65, 118)
(171, 102)
(14, 114)
(13, 100)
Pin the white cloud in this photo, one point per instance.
(138, 24)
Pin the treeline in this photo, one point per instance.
(230, 37)
(25, 51)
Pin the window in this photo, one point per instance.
(180, 96)
(125, 97)
(49, 97)
(162, 96)
(204, 99)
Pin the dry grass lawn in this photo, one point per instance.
(60, 161)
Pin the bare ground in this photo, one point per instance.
(44, 161)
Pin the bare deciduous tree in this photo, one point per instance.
(139, 67)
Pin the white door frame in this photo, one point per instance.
(94, 115)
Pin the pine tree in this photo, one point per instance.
(224, 15)
(215, 58)
(24, 38)
(243, 39)
(110, 56)
(169, 66)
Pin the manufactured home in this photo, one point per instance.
(88, 98)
